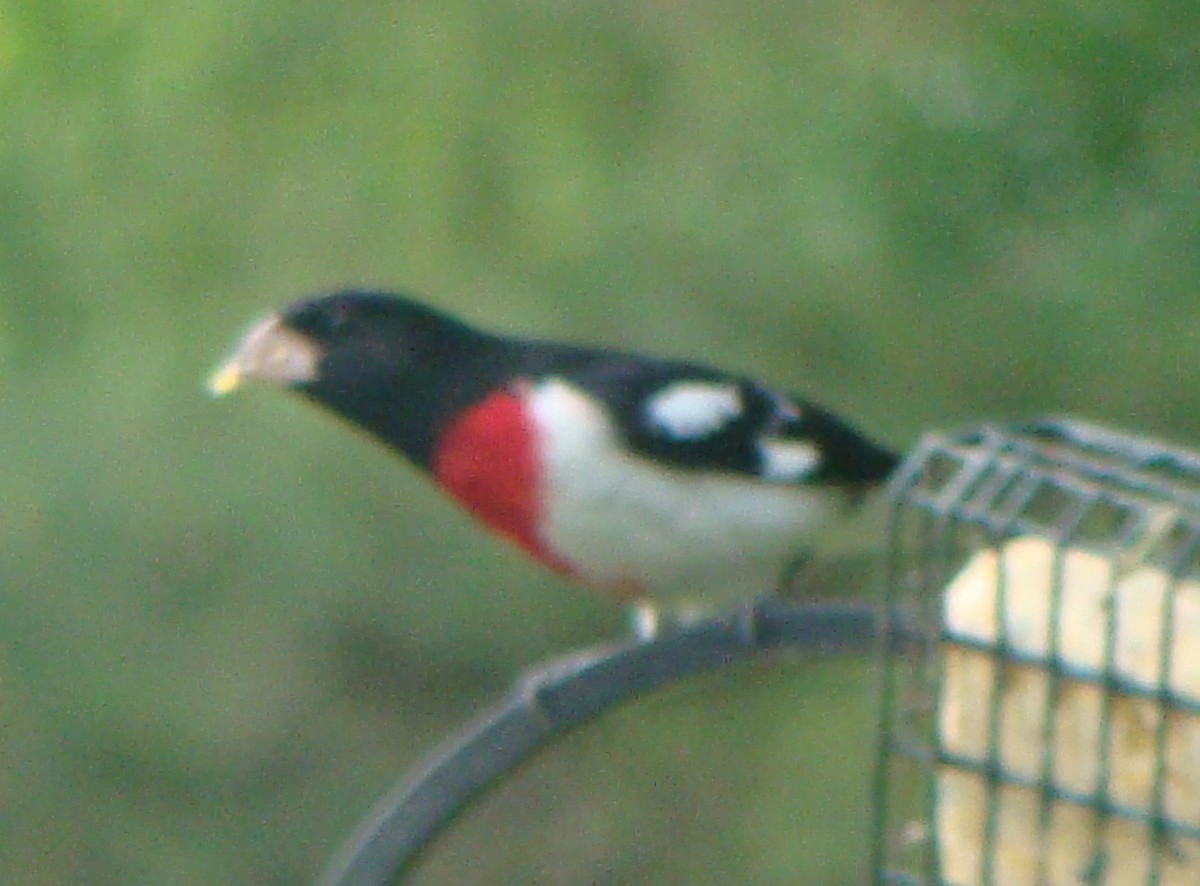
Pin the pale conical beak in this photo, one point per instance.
(270, 352)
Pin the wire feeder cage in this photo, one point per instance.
(1045, 728)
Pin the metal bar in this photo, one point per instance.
(551, 700)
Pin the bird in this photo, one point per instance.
(655, 481)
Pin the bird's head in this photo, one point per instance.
(373, 358)
(341, 341)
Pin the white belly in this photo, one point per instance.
(621, 521)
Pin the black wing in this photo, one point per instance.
(697, 418)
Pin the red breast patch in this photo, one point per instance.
(488, 460)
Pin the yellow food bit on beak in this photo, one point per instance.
(227, 379)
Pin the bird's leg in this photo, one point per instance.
(649, 621)
(645, 619)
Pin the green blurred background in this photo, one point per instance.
(228, 626)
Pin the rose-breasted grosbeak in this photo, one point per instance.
(638, 476)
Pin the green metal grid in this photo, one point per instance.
(1075, 486)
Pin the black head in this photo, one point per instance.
(359, 332)
(385, 362)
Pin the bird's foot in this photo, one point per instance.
(648, 620)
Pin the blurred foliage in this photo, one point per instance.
(227, 627)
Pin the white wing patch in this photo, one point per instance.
(788, 461)
(689, 409)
